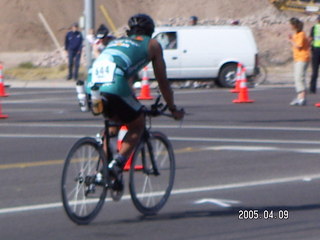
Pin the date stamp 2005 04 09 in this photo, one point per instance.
(253, 214)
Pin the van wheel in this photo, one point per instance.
(227, 76)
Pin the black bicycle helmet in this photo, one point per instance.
(141, 24)
(102, 32)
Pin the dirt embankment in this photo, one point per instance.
(22, 30)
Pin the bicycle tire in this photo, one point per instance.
(83, 194)
(149, 191)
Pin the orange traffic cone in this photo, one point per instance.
(145, 88)
(2, 115)
(2, 87)
(122, 133)
(128, 164)
(243, 96)
(238, 79)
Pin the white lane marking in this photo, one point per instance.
(262, 148)
(197, 91)
(177, 192)
(40, 100)
(184, 139)
(4, 135)
(52, 125)
(246, 184)
(37, 110)
(223, 127)
(222, 91)
(247, 128)
(243, 140)
(24, 93)
(225, 203)
(307, 179)
(242, 148)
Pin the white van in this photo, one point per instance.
(207, 52)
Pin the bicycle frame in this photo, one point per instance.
(144, 139)
(106, 141)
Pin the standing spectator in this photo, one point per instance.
(91, 36)
(193, 20)
(301, 56)
(73, 46)
(101, 40)
(315, 48)
(235, 22)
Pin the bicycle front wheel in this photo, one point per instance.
(83, 181)
(152, 174)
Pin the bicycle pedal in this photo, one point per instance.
(117, 185)
(116, 195)
(117, 190)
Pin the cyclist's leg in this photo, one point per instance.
(132, 137)
(135, 130)
(126, 110)
(120, 111)
(113, 131)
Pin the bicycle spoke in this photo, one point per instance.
(76, 193)
(146, 191)
(83, 207)
(161, 155)
(151, 199)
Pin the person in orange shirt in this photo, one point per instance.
(301, 56)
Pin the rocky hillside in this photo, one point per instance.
(22, 30)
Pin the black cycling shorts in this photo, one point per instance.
(115, 108)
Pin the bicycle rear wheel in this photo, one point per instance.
(83, 185)
(152, 174)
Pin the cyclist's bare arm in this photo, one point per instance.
(159, 68)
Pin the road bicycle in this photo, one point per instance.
(86, 179)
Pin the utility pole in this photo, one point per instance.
(89, 23)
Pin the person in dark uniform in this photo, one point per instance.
(193, 20)
(73, 47)
(315, 50)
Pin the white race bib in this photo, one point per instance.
(103, 71)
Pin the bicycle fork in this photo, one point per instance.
(154, 170)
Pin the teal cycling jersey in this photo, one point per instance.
(120, 60)
(130, 54)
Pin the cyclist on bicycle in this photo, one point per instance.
(112, 72)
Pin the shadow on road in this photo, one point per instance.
(234, 211)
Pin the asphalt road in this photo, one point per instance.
(235, 162)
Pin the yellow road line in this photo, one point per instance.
(30, 164)
(188, 150)
(58, 162)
